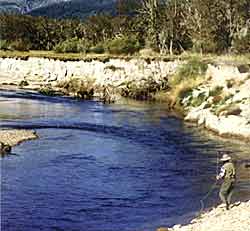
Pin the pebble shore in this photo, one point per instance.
(219, 219)
(15, 137)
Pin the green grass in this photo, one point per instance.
(208, 58)
(192, 69)
(7, 117)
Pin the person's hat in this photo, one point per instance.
(225, 157)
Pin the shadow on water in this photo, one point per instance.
(128, 166)
(32, 95)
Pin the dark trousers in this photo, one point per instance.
(226, 191)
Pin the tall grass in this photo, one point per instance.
(189, 76)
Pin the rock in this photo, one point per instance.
(243, 92)
(225, 111)
(219, 219)
(221, 74)
(116, 72)
(177, 227)
(14, 137)
(233, 111)
(162, 229)
(4, 149)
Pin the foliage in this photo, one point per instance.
(183, 89)
(168, 26)
(20, 45)
(79, 88)
(216, 91)
(98, 49)
(3, 45)
(241, 44)
(191, 70)
(72, 45)
(24, 83)
(48, 91)
(122, 45)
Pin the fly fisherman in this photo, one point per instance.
(227, 173)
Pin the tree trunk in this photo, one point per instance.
(171, 47)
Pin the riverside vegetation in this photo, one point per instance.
(212, 91)
(166, 26)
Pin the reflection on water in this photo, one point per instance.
(128, 166)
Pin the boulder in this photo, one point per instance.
(4, 149)
(221, 74)
(163, 229)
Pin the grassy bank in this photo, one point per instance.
(148, 55)
(190, 75)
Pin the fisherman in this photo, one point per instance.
(227, 173)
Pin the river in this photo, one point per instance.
(129, 166)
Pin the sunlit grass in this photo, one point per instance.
(207, 58)
(7, 116)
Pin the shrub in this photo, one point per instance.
(242, 44)
(47, 90)
(206, 45)
(123, 45)
(184, 90)
(3, 44)
(20, 45)
(23, 83)
(79, 88)
(98, 49)
(216, 91)
(72, 45)
(191, 70)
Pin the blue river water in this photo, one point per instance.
(129, 166)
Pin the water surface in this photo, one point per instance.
(129, 166)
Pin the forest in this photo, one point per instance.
(165, 26)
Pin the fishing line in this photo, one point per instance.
(212, 187)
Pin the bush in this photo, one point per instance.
(23, 83)
(216, 91)
(20, 45)
(183, 90)
(72, 45)
(3, 44)
(123, 45)
(48, 91)
(98, 49)
(191, 70)
(242, 44)
(79, 88)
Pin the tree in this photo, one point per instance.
(98, 28)
(150, 12)
(174, 34)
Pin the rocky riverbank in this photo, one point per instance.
(135, 78)
(219, 219)
(10, 138)
(220, 102)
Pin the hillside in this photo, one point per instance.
(75, 8)
(58, 8)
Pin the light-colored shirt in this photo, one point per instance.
(227, 171)
(222, 172)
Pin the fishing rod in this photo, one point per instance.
(212, 187)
